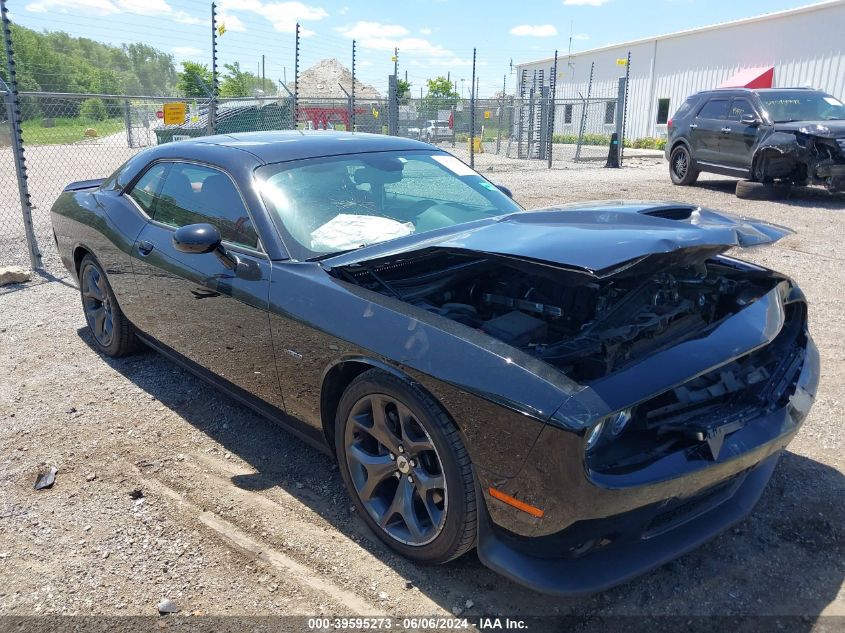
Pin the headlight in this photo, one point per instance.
(593, 435)
(617, 422)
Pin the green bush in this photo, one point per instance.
(94, 110)
(604, 141)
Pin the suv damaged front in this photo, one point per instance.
(807, 143)
(693, 370)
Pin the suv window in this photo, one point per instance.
(739, 108)
(146, 189)
(714, 109)
(192, 194)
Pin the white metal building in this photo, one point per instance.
(805, 46)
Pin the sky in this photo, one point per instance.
(434, 37)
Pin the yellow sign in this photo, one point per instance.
(487, 114)
(393, 58)
(621, 62)
(375, 113)
(174, 113)
(221, 29)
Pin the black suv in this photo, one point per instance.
(773, 138)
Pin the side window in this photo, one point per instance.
(714, 109)
(610, 113)
(145, 191)
(739, 108)
(662, 111)
(192, 194)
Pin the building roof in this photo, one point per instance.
(701, 29)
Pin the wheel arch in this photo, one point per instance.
(340, 374)
(79, 253)
(677, 143)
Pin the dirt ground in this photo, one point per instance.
(238, 517)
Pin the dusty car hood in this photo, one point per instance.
(836, 129)
(596, 238)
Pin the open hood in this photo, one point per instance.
(827, 129)
(596, 238)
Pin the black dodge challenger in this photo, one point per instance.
(581, 393)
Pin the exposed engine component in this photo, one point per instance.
(584, 326)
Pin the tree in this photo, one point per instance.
(403, 89)
(237, 83)
(94, 110)
(441, 88)
(188, 84)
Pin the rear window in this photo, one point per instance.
(686, 108)
(714, 109)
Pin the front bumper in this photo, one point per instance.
(597, 532)
(726, 505)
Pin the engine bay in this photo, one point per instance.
(585, 326)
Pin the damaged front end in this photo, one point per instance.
(805, 154)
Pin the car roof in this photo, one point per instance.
(285, 145)
(757, 90)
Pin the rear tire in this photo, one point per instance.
(111, 331)
(681, 169)
(406, 468)
(754, 190)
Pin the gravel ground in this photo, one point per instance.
(238, 517)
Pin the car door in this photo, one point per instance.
(706, 130)
(739, 140)
(192, 303)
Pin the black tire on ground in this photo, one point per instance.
(408, 409)
(681, 170)
(111, 331)
(753, 190)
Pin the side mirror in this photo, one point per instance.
(203, 238)
(750, 119)
(196, 238)
(505, 191)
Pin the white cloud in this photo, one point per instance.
(372, 30)
(425, 30)
(534, 30)
(231, 22)
(282, 15)
(154, 8)
(343, 10)
(186, 51)
(585, 3)
(580, 36)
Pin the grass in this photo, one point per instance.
(66, 131)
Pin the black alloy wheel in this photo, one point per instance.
(406, 468)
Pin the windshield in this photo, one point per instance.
(797, 106)
(339, 203)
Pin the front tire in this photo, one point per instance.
(754, 190)
(681, 169)
(406, 468)
(111, 331)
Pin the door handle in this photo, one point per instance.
(726, 130)
(145, 247)
(693, 126)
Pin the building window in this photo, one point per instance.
(610, 113)
(567, 113)
(662, 111)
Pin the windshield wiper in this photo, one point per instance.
(319, 258)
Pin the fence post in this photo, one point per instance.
(127, 116)
(296, 80)
(212, 103)
(551, 113)
(352, 98)
(472, 97)
(620, 105)
(14, 113)
(584, 107)
(625, 109)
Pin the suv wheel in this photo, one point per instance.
(753, 190)
(680, 167)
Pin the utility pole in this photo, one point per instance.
(263, 77)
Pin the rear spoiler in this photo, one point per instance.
(81, 185)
